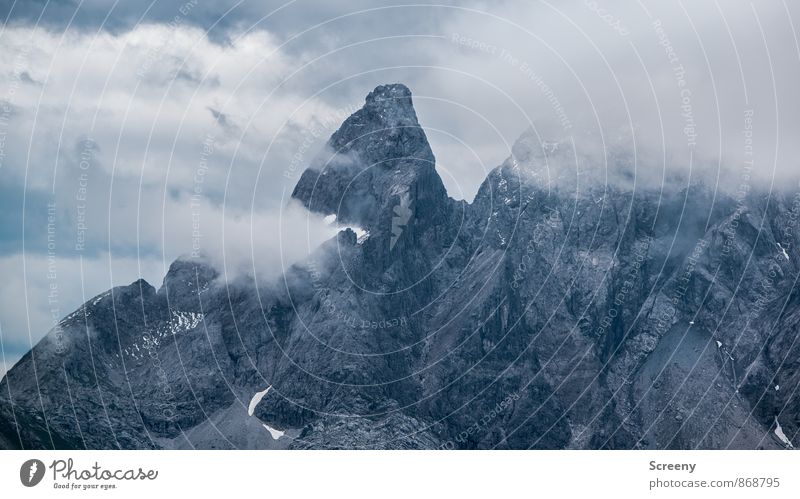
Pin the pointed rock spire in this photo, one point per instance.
(378, 157)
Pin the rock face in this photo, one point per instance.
(554, 311)
(378, 158)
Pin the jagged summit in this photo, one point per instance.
(394, 100)
(187, 278)
(390, 91)
(382, 133)
(377, 160)
(189, 270)
(581, 321)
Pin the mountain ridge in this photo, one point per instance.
(540, 315)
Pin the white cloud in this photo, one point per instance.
(37, 292)
(481, 73)
(605, 65)
(144, 96)
(183, 132)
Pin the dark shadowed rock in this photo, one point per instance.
(554, 311)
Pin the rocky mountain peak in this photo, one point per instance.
(187, 278)
(583, 315)
(377, 160)
(186, 270)
(394, 100)
(382, 133)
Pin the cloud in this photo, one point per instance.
(113, 161)
(684, 88)
(144, 130)
(123, 92)
(481, 72)
(240, 241)
(40, 289)
(222, 120)
(678, 86)
(223, 19)
(122, 146)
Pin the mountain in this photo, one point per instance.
(554, 311)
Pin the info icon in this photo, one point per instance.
(31, 472)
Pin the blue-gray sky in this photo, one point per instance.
(125, 125)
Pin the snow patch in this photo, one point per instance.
(330, 219)
(184, 321)
(361, 234)
(100, 297)
(781, 435)
(255, 400)
(275, 434)
(783, 250)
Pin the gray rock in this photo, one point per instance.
(554, 311)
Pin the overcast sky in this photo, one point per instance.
(122, 123)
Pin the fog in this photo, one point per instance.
(145, 131)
